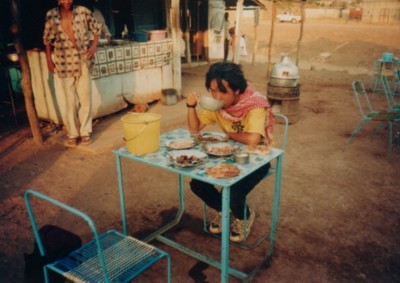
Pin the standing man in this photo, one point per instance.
(71, 35)
(227, 36)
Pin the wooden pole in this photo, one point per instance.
(271, 37)
(26, 75)
(176, 56)
(303, 18)
(256, 23)
(188, 52)
(238, 34)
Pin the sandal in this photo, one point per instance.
(85, 140)
(72, 142)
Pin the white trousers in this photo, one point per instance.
(77, 109)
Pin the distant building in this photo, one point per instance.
(381, 11)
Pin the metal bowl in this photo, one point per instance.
(209, 103)
(242, 157)
(13, 57)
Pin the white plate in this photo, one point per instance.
(211, 137)
(220, 148)
(187, 158)
(180, 144)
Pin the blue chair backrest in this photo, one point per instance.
(285, 131)
(68, 208)
(360, 93)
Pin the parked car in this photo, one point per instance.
(288, 17)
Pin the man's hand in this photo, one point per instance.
(91, 51)
(93, 47)
(50, 63)
(192, 99)
(194, 123)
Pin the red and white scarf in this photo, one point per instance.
(248, 101)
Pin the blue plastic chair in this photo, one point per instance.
(369, 115)
(110, 257)
(246, 244)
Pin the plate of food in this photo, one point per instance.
(211, 137)
(261, 149)
(180, 144)
(187, 158)
(220, 148)
(223, 170)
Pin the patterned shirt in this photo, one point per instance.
(67, 58)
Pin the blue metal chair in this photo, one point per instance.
(110, 257)
(397, 80)
(246, 244)
(393, 106)
(369, 115)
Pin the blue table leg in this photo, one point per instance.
(121, 195)
(123, 210)
(225, 234)
(276, 203)
(178, 215)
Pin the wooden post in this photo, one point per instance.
(188, 52)
(236, 43)
(303, 18)
(168, 14)
(176, 56)
(273, 15)
(256, 23)
(26, 75)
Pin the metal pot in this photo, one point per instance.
(284, 73)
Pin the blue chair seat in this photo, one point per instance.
(125, 258)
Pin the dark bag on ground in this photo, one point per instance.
(57, 244)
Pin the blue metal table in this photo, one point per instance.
(160, 159)
(379, 69)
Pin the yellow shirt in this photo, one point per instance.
(253, 122)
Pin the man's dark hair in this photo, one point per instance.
(230, 72)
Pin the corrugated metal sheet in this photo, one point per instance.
(232, 3)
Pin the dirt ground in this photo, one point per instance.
(340, 218)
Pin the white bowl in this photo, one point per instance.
(209, 103)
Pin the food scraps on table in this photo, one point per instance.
(182, 144)
(223, 150)
(186, 160)
(258, 149)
